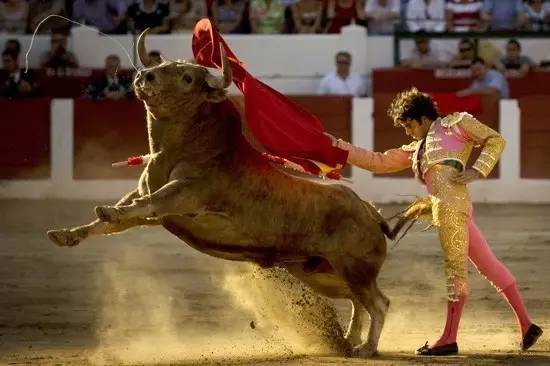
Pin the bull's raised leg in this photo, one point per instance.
(170, 199)
(355, 328)
(73, 236)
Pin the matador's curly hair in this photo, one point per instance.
(412, 104)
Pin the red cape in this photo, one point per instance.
(282, 127)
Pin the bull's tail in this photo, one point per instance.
(422, 207)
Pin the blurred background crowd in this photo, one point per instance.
(489, 65)
(278, 16)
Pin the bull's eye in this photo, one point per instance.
(187, 78)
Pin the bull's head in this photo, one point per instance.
(172, 83)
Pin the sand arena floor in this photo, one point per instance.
(143, 297)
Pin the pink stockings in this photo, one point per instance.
(483, 258)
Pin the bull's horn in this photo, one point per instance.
(141, 51)
(221, 82)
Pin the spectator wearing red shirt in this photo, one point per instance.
(342, 12)
(463, 15)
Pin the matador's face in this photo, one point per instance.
(415, 128)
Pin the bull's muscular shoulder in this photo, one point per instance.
(454, 118)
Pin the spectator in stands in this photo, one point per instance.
(267, 16)
(424, 56)
(14, 81)
(105, 15)
(111, 85)
(465, 56)
(508, 15)
(13, 16)
(538, 15)
(186, 13)
(343, 81)
(307, 16)
(40, 9)
(13, 45)
(58, 58)
(514, 63)
(229, 15)
(152, 14)
(485, 81)
(463, 15)
(382, 15)
(425, 15)
(343, 12)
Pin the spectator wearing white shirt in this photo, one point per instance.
(342, 81)
(382, 15)
(424, 56)
(426, 15)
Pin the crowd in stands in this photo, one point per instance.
(277, 16)
(488, 65)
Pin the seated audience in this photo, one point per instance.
(40, 9)
(424, 56)
(13, 16)
(485, 81)
(514, 63)
(503, 14)
(105, 15)
(307, 16)
(538, 15)
(110, 85)
(382, 15)
(465, 56)
(267, 16)
(425, 15)
(343, 12)
(342, 81)
(13, 45)
(14, 81)
(152, 14)
(58, 58)
(229, 15)
(463, 15)
(186, 13)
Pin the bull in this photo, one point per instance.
(208, 186)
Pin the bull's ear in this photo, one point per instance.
(216, 95)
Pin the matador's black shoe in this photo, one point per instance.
(445, 350)
(531, 337)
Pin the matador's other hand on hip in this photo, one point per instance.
(468, 176)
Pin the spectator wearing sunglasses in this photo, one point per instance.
(342, 81)
(465, 56)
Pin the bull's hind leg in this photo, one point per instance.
(360, 276)
(377, 306)
(355, 328)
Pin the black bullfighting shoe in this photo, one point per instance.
(445, 350)
(531, 337)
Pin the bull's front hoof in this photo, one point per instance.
(365, 352)
(64, 238)
(107, 214)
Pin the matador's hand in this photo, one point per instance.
(468, 176)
